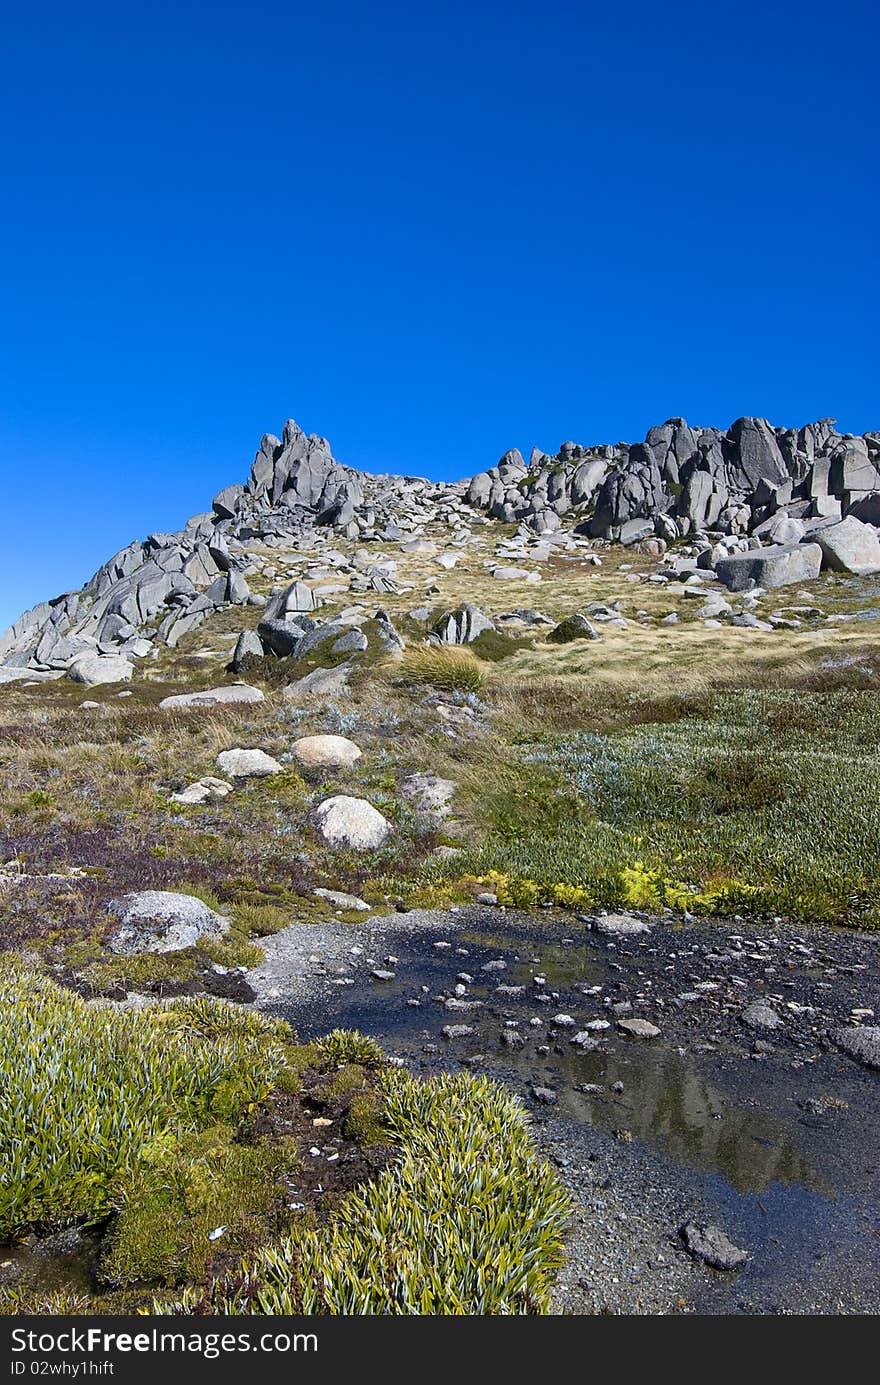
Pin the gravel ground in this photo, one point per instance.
(741, 1112)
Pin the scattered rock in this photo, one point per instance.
(429, 793)
(206, 790)
(212, 697)
(575, 627)
(621, 926)
(340, 900)
(638, 1028)
(761, 1016)
(545, 1095)
(861, 1042)
(326, 752)
(321, 682)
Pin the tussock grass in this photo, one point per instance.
(446, 668)
(137, 1114)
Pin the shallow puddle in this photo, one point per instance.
(666, 1099)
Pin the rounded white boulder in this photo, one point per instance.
(326, 752)
(354, 822)
(248, 764)
(99, 668)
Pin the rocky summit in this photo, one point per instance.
(761, 506)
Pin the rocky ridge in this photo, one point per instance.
(762, 506)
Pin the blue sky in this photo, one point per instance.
(429, 232)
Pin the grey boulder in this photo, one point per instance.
(575, 627)
(248, 764)
(850, 546)
(213, 697)
(462, 626)
(162, 921)
(775, 566)
(351, 822)
(860, 1042)
(711, 1245)
(95, 669)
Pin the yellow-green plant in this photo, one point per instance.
(448, 668)
(468, 1221)
(85, 1089)
(344, 1046)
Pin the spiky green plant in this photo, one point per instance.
(468, 1221)
(85, 1089)
(343, 1046)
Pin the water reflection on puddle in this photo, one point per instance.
(666, 1100)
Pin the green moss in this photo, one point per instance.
(232, 950)
(365, 1119)
(467, 1221)
(180, 1193)
(493, 647)
(88, 1089)
(106, 974)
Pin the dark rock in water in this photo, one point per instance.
(861, 1042)
(710, 1244)
(457, 1031)
(761, 1016)
(545, 1095)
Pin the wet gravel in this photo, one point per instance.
(742, 1111)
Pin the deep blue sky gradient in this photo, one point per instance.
(429, 232)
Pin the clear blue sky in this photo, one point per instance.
(427, 231)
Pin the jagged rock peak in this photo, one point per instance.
(680, 481)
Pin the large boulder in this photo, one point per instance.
(282, 637)
(248, 764)
(752, 454)
(574, 627)
(93, 669)
(213, 697)
(248, 646)
(321, 682)
(462, 626)
(326, 752)
(351, 822)
(860, 1042)
(776, 566)
(850, 546)
(162, 921)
